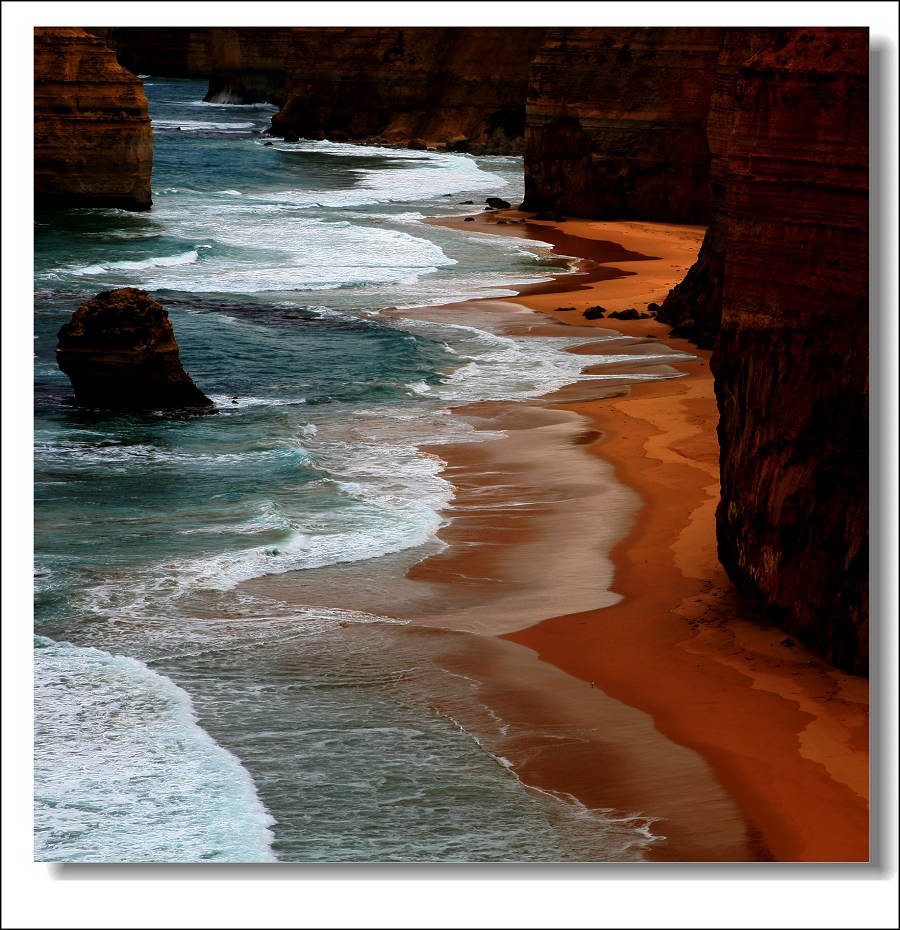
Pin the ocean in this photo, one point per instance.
(178, 716)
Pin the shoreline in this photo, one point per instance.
(576, 586)
(784, 733)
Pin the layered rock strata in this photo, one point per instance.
(616, 123)
(242, 65)
(165, 51)
(119, 352)
(694, 307)
(791, 359)
(93, 143)
(463, 88)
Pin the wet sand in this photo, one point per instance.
(610, 657)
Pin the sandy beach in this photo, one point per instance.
(785, 734)
(610, 661)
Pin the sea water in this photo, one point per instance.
(178, 718)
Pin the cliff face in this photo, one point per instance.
(165, 51)
(616, 124)
(791, 360)
(93, 143)
(119, 352)
(694, 307)
(464, 87)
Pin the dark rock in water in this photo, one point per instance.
(465, 203)
(459, 145)
(497, 203)
(268, 143)
(629, 314)
(563, 309)
(419, 146)
(119, 352)
(594, 313)
(470, 219)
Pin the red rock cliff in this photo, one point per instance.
(93, 144)
(791, 360)
(694, 307)
(166, 51)
(461, 86)
(616, 124)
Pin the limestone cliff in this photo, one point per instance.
(463, 87)
(93, 143)
(243, 65)
(119, 352)
(791, 360)
(694, 307)
(616, 123)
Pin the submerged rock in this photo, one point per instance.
(497, 203)
(119, 352)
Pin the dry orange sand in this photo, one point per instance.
(785, 734)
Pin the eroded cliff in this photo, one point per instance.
(791, 360)
(462, 87)
(694, 306)
(616, 123)
(93, 143)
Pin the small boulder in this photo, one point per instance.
(416, 144)
(564, 309)
(497, 203)
(629, 314)
(594, 313)
(470, 219)
(653, 308)
(119, 352)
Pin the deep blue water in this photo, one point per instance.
(179, 718)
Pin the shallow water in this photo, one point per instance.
(179, 718)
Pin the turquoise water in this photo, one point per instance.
(179, 718)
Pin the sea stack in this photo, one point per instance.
(119, 352)
(93, 141)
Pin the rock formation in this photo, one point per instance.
(694, 307)
(165, 51)
(460, 87)
(242, 65)
(119, 352)
(93, 143)
(616, 123)
(463, 88)
(791, 360)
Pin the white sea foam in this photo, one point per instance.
(412, 176)
(123, 772)
(187, 125)
(138, 266)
